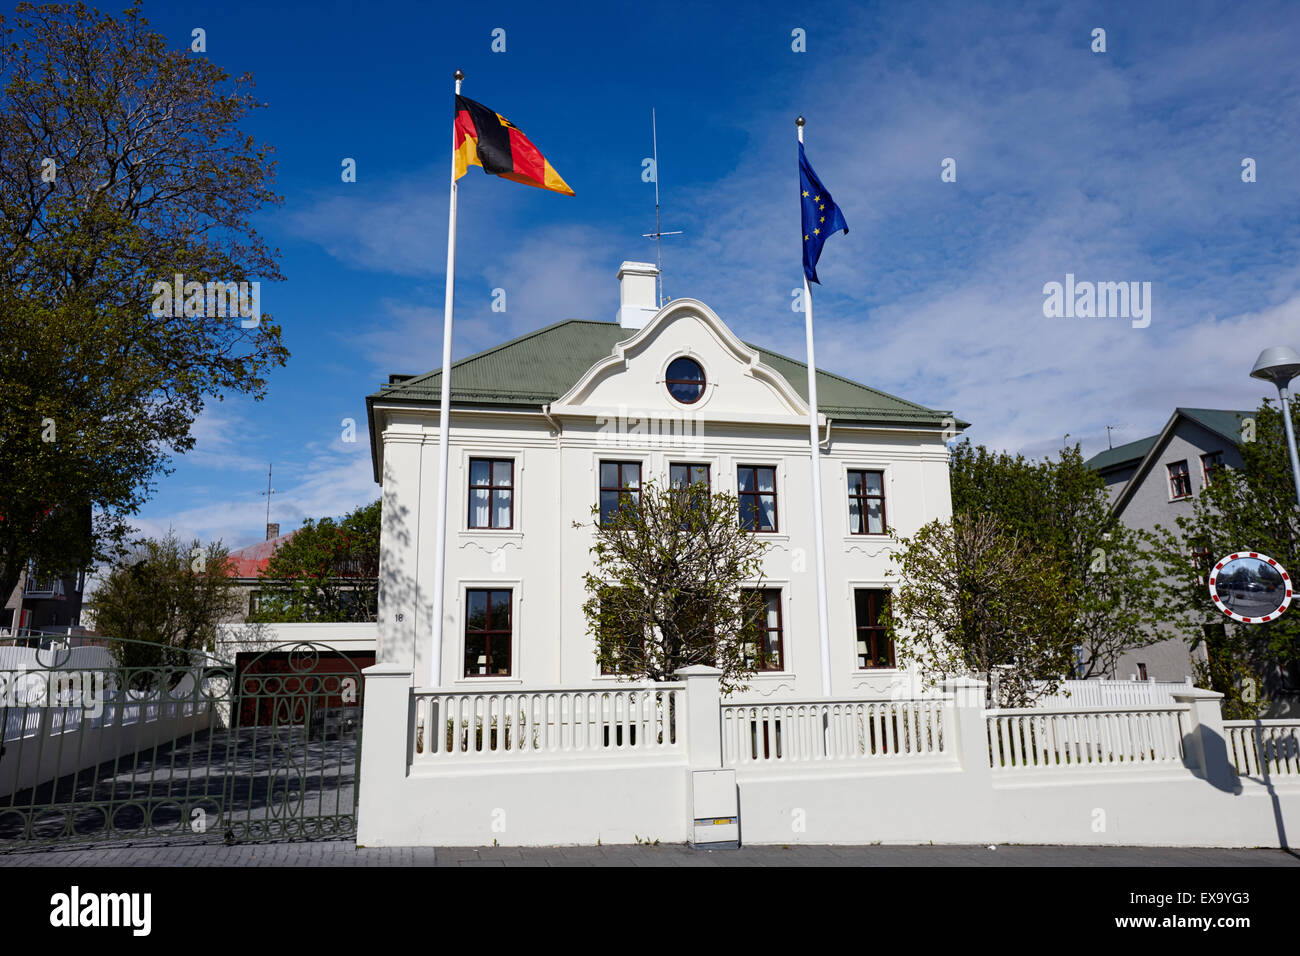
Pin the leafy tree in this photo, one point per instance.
(121, 165)
(1061, 511)
(1253, 509)
(974, 596)
(327, 571)
(169, 594)
(666, 589)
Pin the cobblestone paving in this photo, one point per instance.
(344, 853)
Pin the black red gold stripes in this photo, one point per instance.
(487, 139)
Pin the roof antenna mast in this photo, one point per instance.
(269, 492)
(658, 234)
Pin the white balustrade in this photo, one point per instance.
(826, 730)
(573, 722)
(1036, 738)
(1261, 748)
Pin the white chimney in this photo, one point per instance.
(637, 298)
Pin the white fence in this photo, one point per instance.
(1260, 748)
(65, 658)
(793, 732)
(1034, 738)
(1073, 694)
(569, 722)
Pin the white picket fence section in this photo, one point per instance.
(560, 723)
(67, 658)
(827, 730)
(1264, 747)
(115, 709)
(1074, 694)
(1032, 738)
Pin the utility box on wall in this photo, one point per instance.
(715, 809)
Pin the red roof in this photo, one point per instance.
(249, 562)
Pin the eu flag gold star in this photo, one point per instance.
(821, 207)
(817, 232)
(805, 238)
(805, 192)
(815, 198)
(822, 219)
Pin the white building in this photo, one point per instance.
(545, 425)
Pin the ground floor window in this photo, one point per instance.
(763, 647)
(621, 641)
(488, 633)
(875, 649)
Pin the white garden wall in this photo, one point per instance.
(613, 764)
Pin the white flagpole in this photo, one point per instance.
(823, 617)
(444, 425)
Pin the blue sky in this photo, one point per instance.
(1122, 166)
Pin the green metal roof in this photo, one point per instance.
(541, 366)
(1128, 454)
(1225, 422)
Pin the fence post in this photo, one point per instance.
(703, 716)
(1205, 745)
(965, 722)
(385, 749)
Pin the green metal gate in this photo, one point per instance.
(132, 741)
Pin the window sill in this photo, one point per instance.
(772, 535)
(486, 679)
(512, 534)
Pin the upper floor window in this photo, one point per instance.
(491, 493)
(757, 486)
(681, 475)
(487, 633)
(1180, 482)
(875, 649)
(685, 380)
(763, 647)
(867, 502)
(1210, 464)
(620, 483)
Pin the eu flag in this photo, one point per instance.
(821, 216)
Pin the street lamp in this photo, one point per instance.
(1279, 365)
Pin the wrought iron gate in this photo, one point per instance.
(132, 741)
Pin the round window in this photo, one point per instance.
(685, 380)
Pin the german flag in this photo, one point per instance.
(487, 139)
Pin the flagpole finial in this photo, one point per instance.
(458, 75)
(798, 121)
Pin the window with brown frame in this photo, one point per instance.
(491, 493)
(764, 647)
(616, 637)
(1201, 562)
(874, 647)
(757, 484)
(620, 483)
(1210, 464)
(1180, 481)
(681, 474)
(867, 502)
(488, 632)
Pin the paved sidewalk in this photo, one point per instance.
(344, 853)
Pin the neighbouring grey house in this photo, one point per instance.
(1152, 482)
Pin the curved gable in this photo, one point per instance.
(740, 387)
